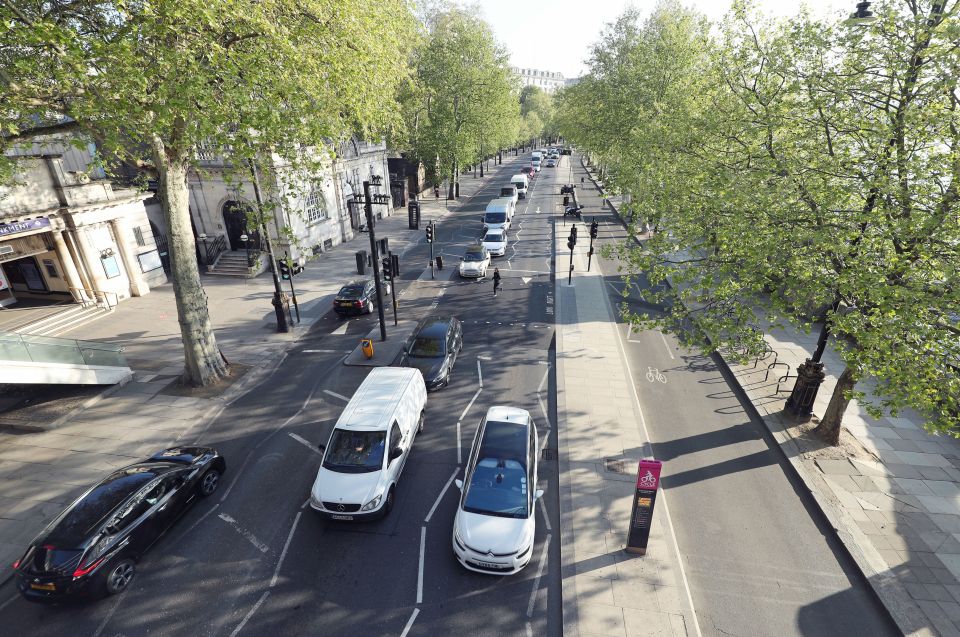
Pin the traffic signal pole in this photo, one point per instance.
(368, 210)
(394, 271)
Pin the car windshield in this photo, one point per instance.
(355, 451)
(351, 291)
(424, 346)
(497, 487)
(474, 255)
(494, 237)
(507, 192)
(495, 217)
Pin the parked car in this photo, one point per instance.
(495, 241)
(92, 548)
(370, 445)
(356, 297)
(495, 523)
(433, 349)
(475, 262)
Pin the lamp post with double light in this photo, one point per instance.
(369, 199)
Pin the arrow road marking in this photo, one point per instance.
(340, 330)
(526, 279)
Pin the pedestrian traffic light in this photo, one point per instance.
(571, 242)
(284, 268)
(573, 231)
(430, 233)
(594, 230)
(386, 268)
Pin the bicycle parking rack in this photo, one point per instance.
(780, 380)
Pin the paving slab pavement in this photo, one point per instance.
(892, 491)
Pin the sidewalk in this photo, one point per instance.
(891, 490)
(41, 472)
(606, 591)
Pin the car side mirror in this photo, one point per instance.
(538, 494)
(395, 453)
(459, 484)
(322, 447)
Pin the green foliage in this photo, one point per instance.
(799, 170)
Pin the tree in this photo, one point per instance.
(167, 76)
(461, 105)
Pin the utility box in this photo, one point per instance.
(361, 261)
(366, 346)
(439, 262)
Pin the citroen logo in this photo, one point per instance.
(490, 553)
(340, 507)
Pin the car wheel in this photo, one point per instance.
(369, 307)
(388, 505)
(209, 482)
(119, 576)
(421, 422)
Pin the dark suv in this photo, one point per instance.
(433, 349)
(91, 549)
(356, 297)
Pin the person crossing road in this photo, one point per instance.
(496, 280)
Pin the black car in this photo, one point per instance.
(356, 297)
(433, 349)
(91, 549)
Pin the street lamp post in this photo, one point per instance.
(368, 201)
(246, 243)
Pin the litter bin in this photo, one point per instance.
(366, 346)
(566, 201)
(361, 261)
(439, 262)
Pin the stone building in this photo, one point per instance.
(65, 237)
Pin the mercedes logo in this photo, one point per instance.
(340, 507)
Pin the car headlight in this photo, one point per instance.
(372, 504)
(458, 539)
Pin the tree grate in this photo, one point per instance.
(614, 466)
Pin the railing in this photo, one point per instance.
(213, 248)
(43, 349)
(96, 295)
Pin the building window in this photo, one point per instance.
(50, 268)
(138, 235)
(315, 208)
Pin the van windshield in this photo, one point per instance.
(495, 217)
(520, 185)
(508, 192)
(355, 451)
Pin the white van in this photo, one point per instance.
(537, 156)
(520, 181)
(510, 192)
(498, 214)
(370, 444)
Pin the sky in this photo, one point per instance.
(556, 35)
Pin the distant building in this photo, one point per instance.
(549, 81)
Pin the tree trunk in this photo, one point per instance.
(829, 427)
(203, 363)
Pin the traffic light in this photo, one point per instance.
(284, 268)
(573, 231)
(386, 268)
(594, 230)
(430, 233)
(572, 239)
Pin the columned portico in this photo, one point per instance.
(70, 272)
(138, 287)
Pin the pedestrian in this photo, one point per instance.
(581, 180)
(496, 280)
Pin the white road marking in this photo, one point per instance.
(459, 420)
(199, 520)
(440, 497)
(336, 395)
(423, 544)
(536, 582)
(340, 330)
(484, 358)
(538, 209)
(526, 279)
(106, 620)
(546, 518)
(665, 344)
(406, 629)
(256, 606)
(529, 630)
(304, 442)
(479, 373)
(283, 553)
(250, 537)
(9, 601)
(325, 351)
(305, 503)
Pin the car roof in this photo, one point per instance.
(433, 327)
(88, 512)
(356, 283)
(475, 248)
(376, 399)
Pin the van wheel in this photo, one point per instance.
(421, 422)
(388, 505)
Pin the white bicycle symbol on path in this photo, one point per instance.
(654, 374)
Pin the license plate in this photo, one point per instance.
(489, 565)
(341, 517)
(43, 587)
(345, 304)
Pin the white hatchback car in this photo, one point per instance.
(495, 241)
(475, 262)
(495, 524)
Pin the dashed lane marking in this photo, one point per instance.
(286, 545)
(336, 395)
(256, 607)
(536, 581)
(303, 441)
(440, 497)
(413, 617)
(250, 537)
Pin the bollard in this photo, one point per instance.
(366, 346)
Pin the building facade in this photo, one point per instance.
(313, 212)
(67, 237)
(549, 81)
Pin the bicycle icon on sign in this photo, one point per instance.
(654, 374)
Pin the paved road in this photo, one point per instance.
(255, 560)
(758, 554)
